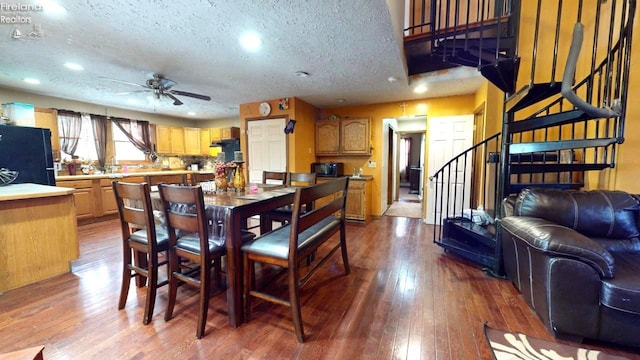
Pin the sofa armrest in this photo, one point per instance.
(557, 240)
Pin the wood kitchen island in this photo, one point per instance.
(38, 233)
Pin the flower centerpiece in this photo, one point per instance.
(221, 174)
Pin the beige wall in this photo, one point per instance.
(10, 95)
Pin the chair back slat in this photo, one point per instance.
(134, 207)
(274, 177)
(184, 209)
(302, 220)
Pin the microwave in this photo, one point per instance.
(328, 169)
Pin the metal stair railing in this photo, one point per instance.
(587, 137)
(465, 182)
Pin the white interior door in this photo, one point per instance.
(448, 137)
(267, 147)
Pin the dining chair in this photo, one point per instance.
(288, 245)
(269, 177)
(283, 214)
(198, 238)
(142, 241)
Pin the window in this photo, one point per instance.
(86, 142)
(124, 149)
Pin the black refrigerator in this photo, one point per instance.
(27, 150)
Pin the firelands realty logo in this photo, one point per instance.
(18, 14)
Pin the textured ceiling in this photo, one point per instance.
(349, 48)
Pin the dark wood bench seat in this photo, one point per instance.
(288, 245)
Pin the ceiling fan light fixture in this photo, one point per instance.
(302, 74)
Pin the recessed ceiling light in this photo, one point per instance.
(341, 100)
(302, 74)
(73, 66)
(250, 42)
(420, 89)
(132, 101)
(392, 79)
(191, 113)
(32, 81)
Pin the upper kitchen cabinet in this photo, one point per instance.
(192, 141)
(170, 140)
(230, 133)
(327, 137)
(343, 137)
(355, 135)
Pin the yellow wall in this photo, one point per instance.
(454, 105)
(300, 143)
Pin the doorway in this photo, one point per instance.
(267, 147)
(404, 142)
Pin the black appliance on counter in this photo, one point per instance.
(228, 146)
(328, 169)
(27, 150)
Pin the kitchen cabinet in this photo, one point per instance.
(230, 133)
(191, 141)
(355, 137)
(215, 134)
(343, 137)
(358, 205)
(48, 119)
(205, 141)
(327, 137)
(83, 197)
(109, 205)
(163, 139)
(177, 140)
(170, 140)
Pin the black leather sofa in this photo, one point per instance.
(575, 258)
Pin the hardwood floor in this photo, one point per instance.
(404, 299)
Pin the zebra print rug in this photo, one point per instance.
(514, 346)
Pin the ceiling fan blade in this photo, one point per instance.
(120, 81)
(197, 96)
(175, 99)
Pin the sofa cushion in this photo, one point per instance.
(600, 213)
(622, 292)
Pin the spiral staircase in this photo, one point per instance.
(566, 120)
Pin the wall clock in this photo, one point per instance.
(265, 109)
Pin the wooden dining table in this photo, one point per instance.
(233, 209)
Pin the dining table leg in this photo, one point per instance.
(233, 241)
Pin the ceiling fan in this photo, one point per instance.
(161, 87)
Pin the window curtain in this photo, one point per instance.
(69, 126)
(99, 124)
(138, 133)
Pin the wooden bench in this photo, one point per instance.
(288, 245)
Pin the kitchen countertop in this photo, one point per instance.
(361, 178)
(31, 191)
(131, 174)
